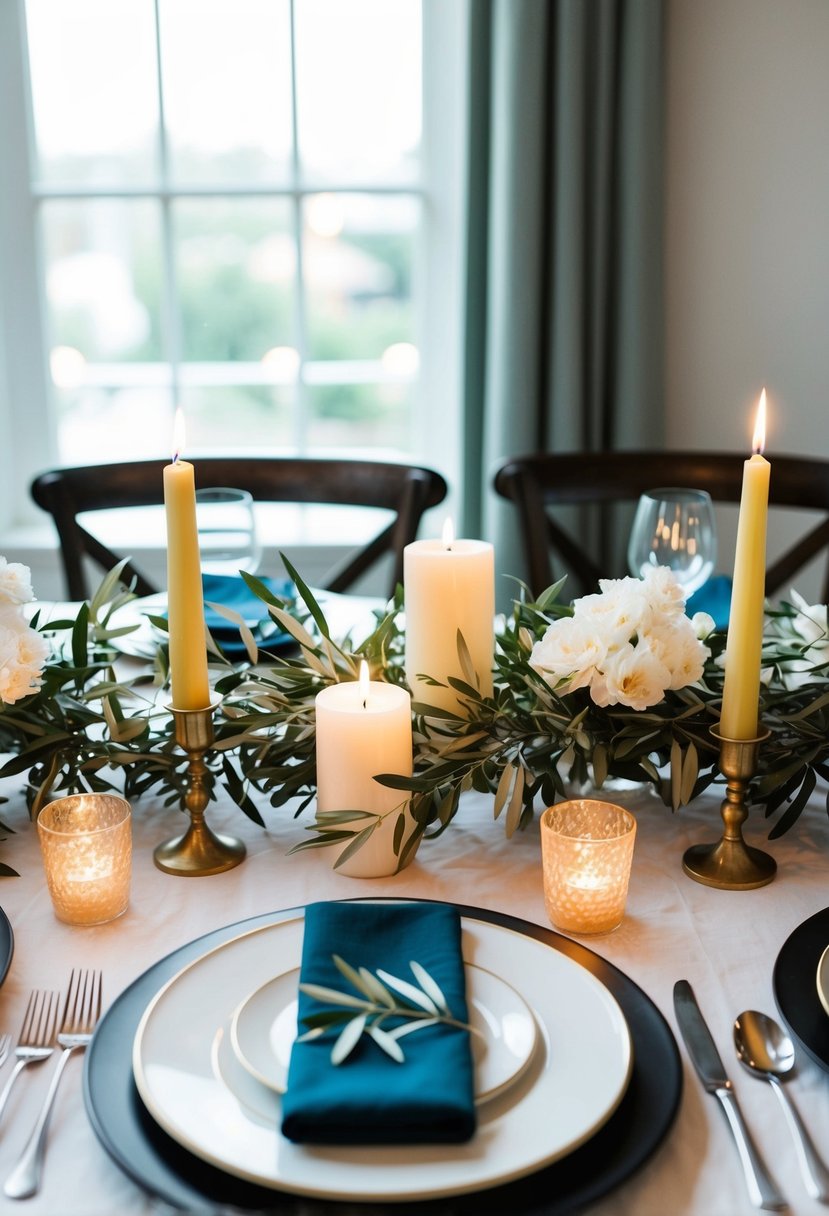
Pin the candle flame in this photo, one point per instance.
(364, 682)
(758, 442)
(448, 533)
(178, 434)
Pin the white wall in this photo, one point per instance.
(747, 226)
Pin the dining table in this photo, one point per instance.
(726, 943)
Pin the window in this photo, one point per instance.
(244, 206)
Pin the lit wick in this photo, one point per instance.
(364, 682)
(448, 535)
(758, 441)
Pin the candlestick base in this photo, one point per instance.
(731, 864)
(199, 851)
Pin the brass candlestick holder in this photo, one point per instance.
(199, 851)
(731, 864)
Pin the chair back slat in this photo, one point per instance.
(408, 491)
(539, 483)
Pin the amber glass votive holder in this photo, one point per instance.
(587, 850)
(86, 843)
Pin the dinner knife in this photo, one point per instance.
(706, 1060)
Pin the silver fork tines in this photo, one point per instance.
(37, 1036)
(5, 1045)
(81, 1012)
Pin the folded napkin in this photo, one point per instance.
(233, 592)
(713, 597)
(369, 1098)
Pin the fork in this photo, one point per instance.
(5, 1044)
(37, 1036)
(80, 1017)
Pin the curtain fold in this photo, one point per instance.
(564, 255)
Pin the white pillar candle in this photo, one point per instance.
(363, 729)
(449, 587)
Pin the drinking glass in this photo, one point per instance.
(675, 527)
(227, 531)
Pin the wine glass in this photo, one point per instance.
(675, 527)
(227, 531)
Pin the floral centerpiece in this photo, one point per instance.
(620, 684)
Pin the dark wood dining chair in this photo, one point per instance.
(405, 490)
(540, 483)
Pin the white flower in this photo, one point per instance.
(15, 583)
(703, 624)
(570, 651)
(629, 643)
(618, 611)
(634, 676)
(23, 651)
(663, 591)
(810, 623)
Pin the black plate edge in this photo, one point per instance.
(794, 984)
(6, 945)
(556, 1190)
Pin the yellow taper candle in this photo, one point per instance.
(741, 693)
(185, 604)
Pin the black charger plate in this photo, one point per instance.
(6, 945)
(794, 981)
(167, 1171)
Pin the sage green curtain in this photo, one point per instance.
(564, 262)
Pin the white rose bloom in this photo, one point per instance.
(15, 583)
(663, 592)
(23, 651)
(618, 612)
(569, 652)
(634, 676)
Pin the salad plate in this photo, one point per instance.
(263, 1028)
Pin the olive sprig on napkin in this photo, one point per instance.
(382, 997)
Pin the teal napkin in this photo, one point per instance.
(713, 597)
(369, 1098)
(233, 592)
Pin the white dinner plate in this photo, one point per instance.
(577, 1076)
(263, 1029)
(822, 979)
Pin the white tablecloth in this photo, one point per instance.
(725, 943)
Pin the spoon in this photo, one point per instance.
(765, 1049)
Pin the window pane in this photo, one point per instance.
(235, 266)
(103, 278)
(226, 71)
(239, 418)
(358, 255)
(100, 425)
(368, 416)
(358, 88)
(94, 90)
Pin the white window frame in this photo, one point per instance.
(26, 406)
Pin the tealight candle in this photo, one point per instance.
(449, 589)
(587, 849)
(363, 729)
(86, 845)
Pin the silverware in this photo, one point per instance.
(765, 1050)
(80, 1017)
(5, 1044)
(706, 1059)
(37, 1037)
